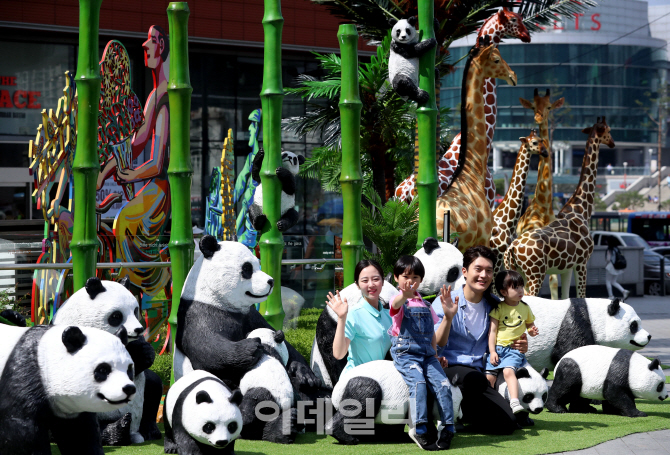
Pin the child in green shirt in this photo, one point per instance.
(509, 321)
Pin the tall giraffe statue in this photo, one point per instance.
(465, 198)
(503, 24)
(565, 244)
(507, 214)
(541, 211)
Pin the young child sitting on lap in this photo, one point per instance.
(508, 323)
(414, 355)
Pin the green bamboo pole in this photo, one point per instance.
(180, 169)
(351, 177)
(85, 167)
(272, 96)
(426, 115)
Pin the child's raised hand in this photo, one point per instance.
(449, 307)
(337, 304)
(533, 331)
(408, 290)
(494, 359)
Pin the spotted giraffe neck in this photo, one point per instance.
(473, 123)
(513, 201)
(545, 180)
(581, 202)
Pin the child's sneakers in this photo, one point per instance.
(516, 407)
(444, 438)
(422, 440)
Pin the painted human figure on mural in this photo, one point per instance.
(139, 226)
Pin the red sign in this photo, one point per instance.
(595, 23)
(19, 99)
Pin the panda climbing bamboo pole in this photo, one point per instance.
(351, 177)
(180, 170)
(426, 182)
(272, 97)
(86, 167)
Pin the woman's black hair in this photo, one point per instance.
(506, 279)
(612, 242)
(481, 251)
(366, 263)
(410, 264)
(162, 35)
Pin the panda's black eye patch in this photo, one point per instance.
(544, 397)
(527, 398)
(115, 319)
(659, 389)
(634, 327)
(397, 33)
(247, 270)
(209, 428)
(408, 31)
(232, 427)
(101, 372)
(452, 274)
(131, 372)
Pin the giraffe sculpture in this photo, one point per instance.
(504, 23)
(565, 244)
(507, 214)
(465, 198)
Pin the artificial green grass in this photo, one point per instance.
(551, 433)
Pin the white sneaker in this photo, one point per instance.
(516, 406)
(626, 293)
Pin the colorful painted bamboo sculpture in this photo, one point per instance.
(272, 97)
(245, 186)
(180, 169)
(85, 167)
(213, 207)
(565, 244)
(471, 214)
(352, 177)
(426, 117)
(227, 187)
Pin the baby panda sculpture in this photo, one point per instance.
(202, 416)
(57, 378)
(443, 263)
(286, 175)
(217, 312)
(533, 392)
(404, 59)
(617, 376)
(572, 323)
(380, 392)
(267, 382)
(107, 305)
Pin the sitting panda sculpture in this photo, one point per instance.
(533, 392)
(572, 323)
(286, 175)
(217, 312)
(404, 59)
(617, 376)
(55, 379)
(107, 305)
(443, 263)
(202, 416)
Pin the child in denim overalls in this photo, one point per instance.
(414, 354)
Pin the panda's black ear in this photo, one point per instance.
(613, 308)
(392, 21)
(125, 282)
(209, 246)
(544, 373)
(412, 21)
(73, 339)
(235, 397)
(455, 242)
(654, 364)
(522, 373)
(94, 287)
(122, 334)
(301, 160)
(430, 245)
(202, 397)
(279, 336)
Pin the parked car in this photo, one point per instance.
(652, 264)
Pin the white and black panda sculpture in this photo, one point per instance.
(533, 392)
(404, 59)
(617, 376)
(217, 312)
(286, 175)
(569, 324)
(202, 416)
(377, 384)
(55, 379)
(108, 305)
(443, 263)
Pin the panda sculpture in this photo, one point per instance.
(404, 59)
(443, 263)
(569, 324)
(217, 312)
(286, 175)
(55, 379)
(617, 376)
(108, 305)
(202, 416)
(379, 384)
(533, 391)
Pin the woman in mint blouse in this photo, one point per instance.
(362, 332)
